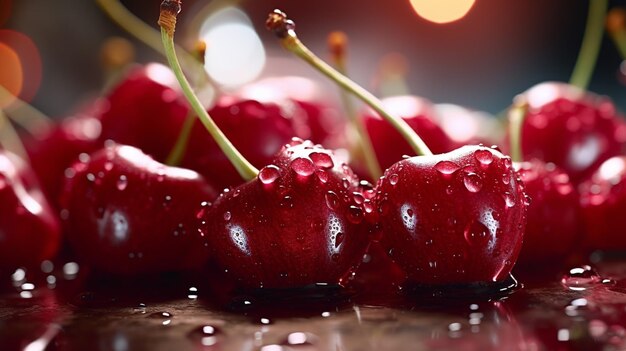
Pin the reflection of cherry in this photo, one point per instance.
(575, 130)
(29, 230)
(126, 213)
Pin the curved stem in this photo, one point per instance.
(147, 35)
(178, 151)
(588, 55)
(283, 28)
(337, 43)
(245, 168)
(9, 139)
(22, 113)
(517, 113)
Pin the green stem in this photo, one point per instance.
(22, 113)
(147, 35)
(371, 162)
(245, 168)
(179, 149)
(517, 113)
(291, 42)
(9, 139)
(590, 48)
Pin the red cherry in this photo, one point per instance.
(419, 114)
(145, 110)
(258, 130)
(127, 214)
(296, 224)
(574, 129)
(29, 230)
(54, 150)
(552, 229)
(453, 218)
(603, 201)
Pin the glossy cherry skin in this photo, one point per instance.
(257, 130)
(296, 224)
(574, 129)
(389, 145)
(313, 112)
(553, 225)
(603, 202)
(54, 150)
(146, 110)
(126, 214)
(453, 218)
(29, 230)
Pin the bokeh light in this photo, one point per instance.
(442, 11)
(11, 74)
(20, 71)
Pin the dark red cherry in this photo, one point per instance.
(419, 114)
(146, 110)
(29, 230)
(574, 129)
(128, 214)
(553, 226)
(314, 114)
(296, 224)
(453, 218)
(256, 129)
(603, 205)
(54, 150)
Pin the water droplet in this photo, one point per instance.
(581, 278)
(509, 199)
(167, 200)
(355, 215)
(227, 216)
(332, 200)
(303, 166)
(476, 233)
(287, 202)
(206, 335)
(446, 167)
(91, 177)
(485, 157)
(358, 197)
(122, 183)
(345, 182)
(322, 160)
(472, 181)
(339, 239)
(322, 175)
(300, 339)
(393, 179)
(161, 315)
(269, 174)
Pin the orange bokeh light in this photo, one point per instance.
(11, 73)
(442, 11)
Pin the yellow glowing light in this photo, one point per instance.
(442, 11)
(10, 73)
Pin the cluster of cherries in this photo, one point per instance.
(456, 217)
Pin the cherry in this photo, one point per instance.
(603, 200)
(258, 129)
(29, 230)
(53, 150)
(419, 114)
(452, 218)
(575, 130)
(553, 226)
(126, 213)
(147, 96)
(296, 224)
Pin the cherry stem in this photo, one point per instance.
(180, 147)
(147, 35)
(590, 47)
(517, 114)
(167, 21)
(616, 26)
(284, 29)
(9, 138)
(22, 113)
(337, 43)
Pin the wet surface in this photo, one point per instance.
(575, 308)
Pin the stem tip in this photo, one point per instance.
(167, 17)
(278, 23)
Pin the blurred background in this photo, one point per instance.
(51, 49)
